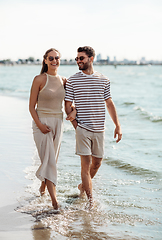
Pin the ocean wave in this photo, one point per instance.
(2, 89)
(135, 170)
(22, 90)
(128, 103)
(11, 90)
(148, 115)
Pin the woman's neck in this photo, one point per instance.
(52, 72)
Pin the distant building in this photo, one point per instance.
(125, 61)
(99, 57)
(143, 60)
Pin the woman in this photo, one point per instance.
(47, 92)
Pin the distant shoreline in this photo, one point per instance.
(95, 63)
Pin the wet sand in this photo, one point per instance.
(16, 154)
(16, 149)
(14, 225)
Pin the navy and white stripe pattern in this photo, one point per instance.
(89, 93)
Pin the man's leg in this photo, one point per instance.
(86, 177)
(94, 166)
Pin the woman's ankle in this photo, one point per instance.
(55, 205)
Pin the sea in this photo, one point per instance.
(127, 189)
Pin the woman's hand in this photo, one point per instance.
(44, 128)
(64, 81)
(72, 115)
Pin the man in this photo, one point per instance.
(90, 91)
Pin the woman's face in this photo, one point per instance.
(53, 60)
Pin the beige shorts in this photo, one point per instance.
(89, 143)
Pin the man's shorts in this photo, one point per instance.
(89, 143)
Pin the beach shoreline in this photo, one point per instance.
(16, 149)
(14, 225)
(16, 154)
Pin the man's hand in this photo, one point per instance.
(113, 114)
(119, 133)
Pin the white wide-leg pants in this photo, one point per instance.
(48, 146)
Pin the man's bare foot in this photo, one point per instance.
(81, 189)
(42, 188)
(90, 204)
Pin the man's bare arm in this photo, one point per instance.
(68, 110)
(113, 114)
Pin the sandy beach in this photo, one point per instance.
(16, 154)
(16, 148)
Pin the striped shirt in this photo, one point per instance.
(89, 93)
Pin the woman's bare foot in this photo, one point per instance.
(55, 205)
(42, 188)
(81, 189)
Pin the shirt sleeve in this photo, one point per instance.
(107, 90)
(69, 92)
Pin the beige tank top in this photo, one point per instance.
(50, 98)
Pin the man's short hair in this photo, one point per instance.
(88, 50)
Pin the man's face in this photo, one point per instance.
(85, 63)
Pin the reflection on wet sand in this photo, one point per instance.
(77, 224)
(73, 221)
(40, 232)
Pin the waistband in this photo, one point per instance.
(46, 115)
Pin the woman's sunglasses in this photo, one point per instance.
(52, 58)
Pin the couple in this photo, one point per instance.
(89, 90)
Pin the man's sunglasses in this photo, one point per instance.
(52, 58)
(79, 58)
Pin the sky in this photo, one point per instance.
(125, 29)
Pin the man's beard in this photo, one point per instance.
(84, 67)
